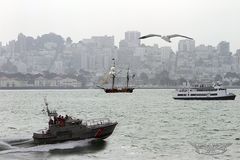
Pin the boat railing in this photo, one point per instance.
(95, 122)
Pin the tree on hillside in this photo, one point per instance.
(231, 75)
(218, 78)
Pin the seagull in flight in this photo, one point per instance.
(166, 38)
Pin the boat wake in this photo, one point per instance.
(19, 142)
(19, 146)
(5, 146)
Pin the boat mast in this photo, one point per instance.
(113, 74)
(127, 77)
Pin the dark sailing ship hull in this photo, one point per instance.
(119, 90)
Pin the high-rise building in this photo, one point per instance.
(238, 52)
(166, 53)
(237, 57)
(236, 61)
(104, 41)
(132, 38)
(224, 55)
(204, 52)
(11, 48)
(58, 67)
(184, 65)
(0, 48)
(84, 61)
(223, 48)
(21, 43)
(100, 41)
(186, 45)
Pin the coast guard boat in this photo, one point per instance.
(67, 128)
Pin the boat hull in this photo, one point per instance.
(228, 97)
(119, 90)
(100, 132)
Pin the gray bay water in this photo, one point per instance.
(151, 125)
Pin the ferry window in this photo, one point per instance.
(213, 94)
(181, 94)
(198, 94)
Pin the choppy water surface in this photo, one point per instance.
(151, 125)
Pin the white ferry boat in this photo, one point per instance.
(204, 92)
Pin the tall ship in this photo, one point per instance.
(65, 128)
(114, 89)
(204, 92)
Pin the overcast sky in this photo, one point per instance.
(207, 21)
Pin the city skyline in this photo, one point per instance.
(92, 58)
(116, 43)
(79, 19)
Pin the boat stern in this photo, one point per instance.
(42, 138)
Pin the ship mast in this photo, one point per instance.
(127, 77)
(112, 72)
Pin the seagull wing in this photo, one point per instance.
(178, 35)
(150, 35)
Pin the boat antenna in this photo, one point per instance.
(46, 104)
(50, 113)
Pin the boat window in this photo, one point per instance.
(97, 122)
(182, 95)
(198, 94)
(213, 94)
(207, 89)
(183, 90)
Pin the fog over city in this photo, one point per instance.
(206, 21)
(62, 40)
